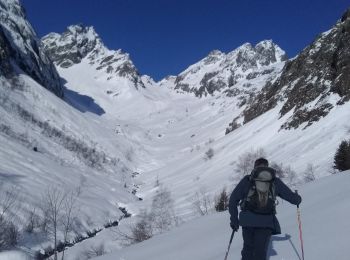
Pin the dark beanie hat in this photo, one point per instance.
(261, 162)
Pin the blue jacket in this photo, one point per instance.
(250, 219)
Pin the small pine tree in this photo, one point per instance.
(342, 156)
(222, 201)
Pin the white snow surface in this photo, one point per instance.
(325, 227)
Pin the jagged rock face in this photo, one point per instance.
(308, 83)
(73, 45)
(20, 48)
(220, 72)
(79, 42)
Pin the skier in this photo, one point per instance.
(256, 194)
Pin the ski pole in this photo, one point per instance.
(229, 245)
(300, 230)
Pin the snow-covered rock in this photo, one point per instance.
(79, 43)
(20, 50)
(313, 83)
(220, 72)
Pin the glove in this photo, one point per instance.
(234, 225)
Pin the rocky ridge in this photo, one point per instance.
(80, 42)
(220, 72)
(313, 83)
(20, 49)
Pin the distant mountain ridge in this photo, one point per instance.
(256, 77)
(221, 72)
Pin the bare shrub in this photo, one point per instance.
(162, 211)
(160, 218)
(52, 205)
(278, 168)
(68, 215)
(9, 233)
(58, 208)
(140, 231)
(209, 154)
(33, 221)
(309, 173)
(245, 163)
(290, 174)
(94, 251)
(202, 202)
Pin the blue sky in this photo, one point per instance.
(164, 37)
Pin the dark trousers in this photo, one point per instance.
(255, 243)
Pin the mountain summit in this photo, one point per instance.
(81, 42)
(220, 72)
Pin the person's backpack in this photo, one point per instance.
(261, 197)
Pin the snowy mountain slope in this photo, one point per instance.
(49, 142)
(232, 73)
(207, 238)
(20, 50)
(67, 158)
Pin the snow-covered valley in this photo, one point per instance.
(113, 137)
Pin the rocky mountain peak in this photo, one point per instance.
(79, 42)
(73, 45)
(20, 48)
(220, 72)
(345, 16)
(270, 52)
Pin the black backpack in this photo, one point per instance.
(260, 197)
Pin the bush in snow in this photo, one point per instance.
(142, 230)
(209, 154)
(33, 222)
(290, 175)
(9, 234)
(309, 173)
(138, 232)
(278, 168)
(202, 202)
(162, 212)
(245, 163)
(221, 201)
(93, 252)
(58, 209)
(160, 218)
(342, 156)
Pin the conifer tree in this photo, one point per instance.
(342, 157)
(222, 201)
